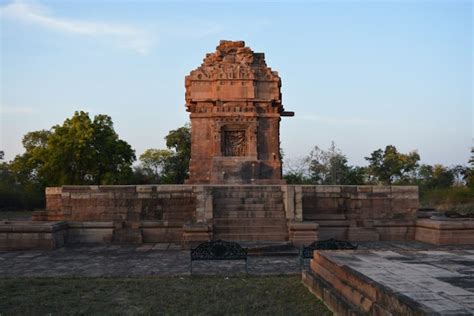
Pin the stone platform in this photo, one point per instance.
(445, 231)
(194, 213)
(394, 282)
(163, 259)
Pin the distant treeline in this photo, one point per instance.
(85, 150)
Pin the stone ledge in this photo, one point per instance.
(313, 226)
(26, 235)
(445, 232)
(303, 233)
(366, 279)
(31, 227)
(447, 224)
(327, 294)
(107, 224)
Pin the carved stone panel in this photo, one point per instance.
(235, 143)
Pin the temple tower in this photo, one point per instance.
(235, 106)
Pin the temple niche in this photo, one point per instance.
(234, 101)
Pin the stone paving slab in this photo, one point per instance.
(442, 282)
(168, 259)
(120, 261)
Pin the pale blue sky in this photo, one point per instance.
(364, 74)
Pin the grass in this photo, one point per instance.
(454, 199)
(272, 295)
(15, 214)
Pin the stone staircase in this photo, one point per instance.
(249, 213)
(127, 232)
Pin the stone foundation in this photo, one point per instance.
(359, 213)
(371, 282)
(24, 235)
(445, 232)
(299, 214)
(303, 233)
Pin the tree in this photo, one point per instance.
(296, 171)
(153, 162)
(80, 151)
(18, 192)
(389, 166)
(470, 173)
(27, 167)
(167, 165)
(331, 167)
(436, 176)
(176, 168)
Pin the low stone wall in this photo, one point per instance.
(359, 213)
(145, 213)
(24, 235)
(171, 203)
(89, 232)
(157, 213)
(445, 232)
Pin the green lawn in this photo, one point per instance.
(274, 295)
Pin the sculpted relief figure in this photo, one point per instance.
(234, 143)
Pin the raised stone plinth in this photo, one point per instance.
(23, 235)
(447, 231)
(303, 233)
(195, 234)
(393, 283)
(157, 213)
(359, 212)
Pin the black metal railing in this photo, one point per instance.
(219, 250)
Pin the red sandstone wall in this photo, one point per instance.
(109, 203)
(355, 213)
(362, 212)
(162, 210)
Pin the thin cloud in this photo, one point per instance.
(125, 35)
(5, 109)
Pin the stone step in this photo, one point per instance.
(263, 188)
(249, 208)
(252, 237)
(249, 214)
(127, 236)
(250, 194)
(327, 216)
(261, 221)
(277, 229)
(250, 200)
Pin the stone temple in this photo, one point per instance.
(235, 190)
(235, 106)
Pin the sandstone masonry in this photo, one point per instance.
(235, 106)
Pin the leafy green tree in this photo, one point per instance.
(80, 151)
(153, 162)
(437, 176)
(296, 171)
(331, 167)
(27, 167)
(389, 166)
(169, 165)
(470, 173)
(176, 169)
(18, 193)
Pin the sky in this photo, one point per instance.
(362, 74)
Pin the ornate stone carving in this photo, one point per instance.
(234, 143)
(235, 104)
